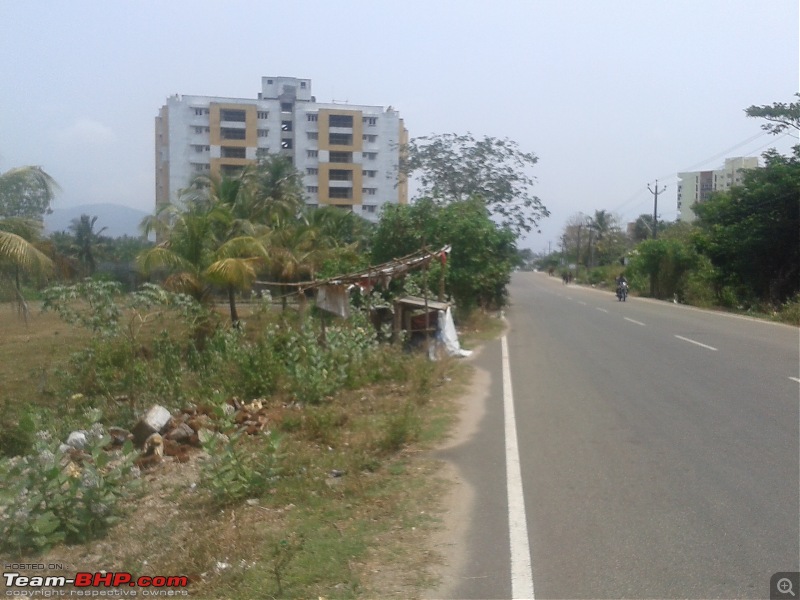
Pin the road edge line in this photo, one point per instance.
(521, 569)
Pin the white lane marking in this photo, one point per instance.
(795, 379)
(569, 297)
(521, 570)
(582, 302)
(636, 322)
(602, 309)
(685, 339)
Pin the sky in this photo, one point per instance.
(610, 95)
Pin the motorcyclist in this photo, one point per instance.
(621, 281)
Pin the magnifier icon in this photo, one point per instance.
(784, 586)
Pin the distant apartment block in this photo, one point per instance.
(697, 186)
(347, 154)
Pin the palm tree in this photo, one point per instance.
(19, 255)
(86, 241)
(601, 223)
(277, 191)
(196, 254)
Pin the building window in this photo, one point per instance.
(340, 139)
(262, 152)
(312, 135)
(269, 81)
(229, 152)
(286, 125)
(311, 153)
(262, 133)
(312, 118)
(312, 189)
(227, 114)
(286, 107)
(227, 133)
(202, 148)
(369, 191)
(370, 173)
(340, 192)
(200, 111)
(369, 138)
(302, 85)
(370, 121)
(287, 144)
(263, 114)
(312, 171)
(369, 208)
(371, 155)
(340, 175)
(341, 157)
(340, 120)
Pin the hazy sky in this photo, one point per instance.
(609, 94)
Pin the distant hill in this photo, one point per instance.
(117, 219)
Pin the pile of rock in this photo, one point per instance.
(159, 433)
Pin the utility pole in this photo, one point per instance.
(655, 193)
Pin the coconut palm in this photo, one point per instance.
(197, 255)
(276, 189)
(18, 255)
(86, 242)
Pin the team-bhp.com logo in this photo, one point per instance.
(95, 584)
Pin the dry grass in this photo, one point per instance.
(30, 353)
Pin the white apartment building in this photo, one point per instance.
(697, 186)
(347, 154)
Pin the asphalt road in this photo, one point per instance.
(659, 450)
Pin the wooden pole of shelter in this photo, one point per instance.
(441, 278)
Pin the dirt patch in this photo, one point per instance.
(449, 541)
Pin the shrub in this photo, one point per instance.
(235, 472)
(50, 499)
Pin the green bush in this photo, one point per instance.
(235, 472)
(48, 499)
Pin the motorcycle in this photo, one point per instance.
(622, 291)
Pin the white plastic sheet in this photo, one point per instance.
(448, 336)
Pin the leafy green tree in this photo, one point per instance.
(780, 116)
(751, 232)
(643, 228)
(25, 197)
(455, 168)
(26, 192)
(665, 263)
(483, 254)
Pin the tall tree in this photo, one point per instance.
(26, 192)
(25, 197)
(751, 232)
(780, 116)
(200, 252)
(454, 168)
(483, 253)
(86, 242)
